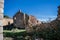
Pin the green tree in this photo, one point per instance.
(6, 16)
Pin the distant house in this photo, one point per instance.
(20, 19)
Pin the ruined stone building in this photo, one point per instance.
(7, 21)
(20, 19)
(33, 21)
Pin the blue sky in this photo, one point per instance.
(41, 9)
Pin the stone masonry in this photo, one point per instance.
(1, 18)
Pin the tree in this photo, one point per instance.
(6, 16)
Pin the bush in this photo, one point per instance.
(11, 34)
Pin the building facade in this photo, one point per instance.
(20, 19)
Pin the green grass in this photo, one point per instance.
(14, 32)
(22, 30)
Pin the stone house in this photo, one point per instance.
(20, 19)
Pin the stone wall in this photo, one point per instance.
(18, 20)
(33, 21)
(6, 21)
(1, 18)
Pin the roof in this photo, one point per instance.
(18, 13)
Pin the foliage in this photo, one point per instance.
(6, 16)
(47, 31)
(19, 34)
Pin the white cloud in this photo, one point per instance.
(46, 18)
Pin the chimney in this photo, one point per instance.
(20, 10)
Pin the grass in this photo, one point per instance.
(14, 30)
